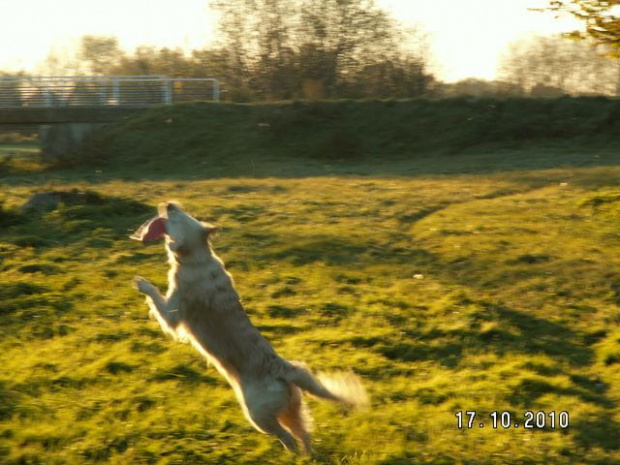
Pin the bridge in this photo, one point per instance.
(78, 105)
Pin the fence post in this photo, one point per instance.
(167, 91)
(116, 91)
(216, 90)
(103, 93)
(49, 100)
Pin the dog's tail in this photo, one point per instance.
(342, 386)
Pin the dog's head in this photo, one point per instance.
(182, 232)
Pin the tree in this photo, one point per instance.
(552, 65)
(343, 37)
(256, 37)
(147, 59)
(315, 48)
(601, 23)
(60, 61)
(475, 88)
(100, 53)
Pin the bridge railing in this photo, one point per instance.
(104, 91)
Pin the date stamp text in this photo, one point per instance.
(470, 419)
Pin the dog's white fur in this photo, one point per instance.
(202, 306)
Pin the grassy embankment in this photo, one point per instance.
(459, 262)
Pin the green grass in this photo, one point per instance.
(484, 280)
(219, 137)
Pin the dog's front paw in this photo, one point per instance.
(143, 285)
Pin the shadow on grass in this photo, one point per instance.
(342, 252)
(9, 400)
(506, 332)
(599, 430)
(78, 216)
(493, 328)
(332, 252)
(32, 300)
(184, 374)
(532, 164)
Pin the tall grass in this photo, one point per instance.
(328, 130)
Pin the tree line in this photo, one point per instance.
(282, 49)
(325, 49)
(548, 66)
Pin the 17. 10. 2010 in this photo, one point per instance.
(506, 420)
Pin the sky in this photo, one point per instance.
(466, 37)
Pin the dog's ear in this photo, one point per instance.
(209, 230)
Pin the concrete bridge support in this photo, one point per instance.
(64, 129)
(66, 139)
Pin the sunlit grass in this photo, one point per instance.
(490, 291)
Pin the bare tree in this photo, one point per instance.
(544, 63)
(60, 62)
(100, 53)
(289, 48)
(147, 59)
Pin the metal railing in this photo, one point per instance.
(104, 91)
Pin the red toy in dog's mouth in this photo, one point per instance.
(154, 229)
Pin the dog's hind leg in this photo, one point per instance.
(270, 425)
(297, 419)
(262, 403)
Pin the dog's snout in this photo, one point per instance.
(165, 208)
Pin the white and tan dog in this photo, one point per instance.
(202, 306)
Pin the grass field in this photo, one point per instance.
(479, 281)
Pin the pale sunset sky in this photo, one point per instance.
(466, 36)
